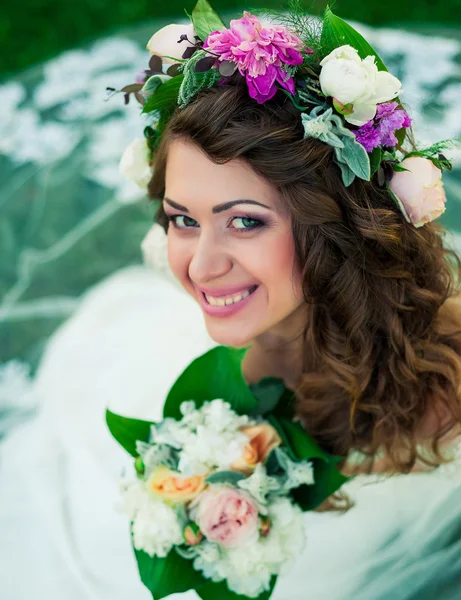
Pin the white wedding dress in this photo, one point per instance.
(61, 535)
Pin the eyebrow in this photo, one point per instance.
(219, 207)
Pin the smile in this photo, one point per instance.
(227, 301)
(226, 305)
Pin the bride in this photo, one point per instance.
(333, 291)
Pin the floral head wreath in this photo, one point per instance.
(345, 95)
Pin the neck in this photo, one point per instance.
(278, 352)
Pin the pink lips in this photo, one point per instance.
(228, 310)
(226, 291)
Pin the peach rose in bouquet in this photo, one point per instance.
(173, 487)
(263, 439)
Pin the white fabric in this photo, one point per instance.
(61, 536)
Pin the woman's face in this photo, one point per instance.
(230, 245)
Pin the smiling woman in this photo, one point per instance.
(373, 358)
(330, 287)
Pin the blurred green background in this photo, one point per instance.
(34, 30)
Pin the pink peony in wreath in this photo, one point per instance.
(260, 54)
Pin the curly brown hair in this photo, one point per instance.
(380, 353)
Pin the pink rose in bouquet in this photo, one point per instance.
(227, 516)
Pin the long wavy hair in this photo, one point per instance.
(378, 356)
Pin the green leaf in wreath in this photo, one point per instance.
(166, 96)
(441, 163)
(127, 431)
(220, 591)
(170, 575)
(336, 33)
(398, 168)
(442, 146)
(389, 156)
(153, 83)
(401, 135)
(375, 160)
(193, 81)
(216, 374)
(355, 157)
(398, 202)
(205, 20)
(347, 174)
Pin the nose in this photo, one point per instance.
(210, 260)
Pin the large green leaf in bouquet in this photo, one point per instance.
(127, 431)
(216, 374)
(215, 591)
(170, 575)
(176, 575)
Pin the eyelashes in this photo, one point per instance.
(172, 219)
(253, 223)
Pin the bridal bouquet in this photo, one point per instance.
(219, 485)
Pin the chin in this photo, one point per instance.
(229, 336)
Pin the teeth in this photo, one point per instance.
(227, 301)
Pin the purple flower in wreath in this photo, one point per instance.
(380, 131)
(260, 53)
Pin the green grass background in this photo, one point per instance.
(34, 30)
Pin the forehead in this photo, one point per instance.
(191, 176)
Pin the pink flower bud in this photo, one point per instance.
(192, 534)
(264, 526)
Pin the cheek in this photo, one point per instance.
(179, 259)
(278, 269)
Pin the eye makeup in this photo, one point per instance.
(253, 222)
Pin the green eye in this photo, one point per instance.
(247, 223)
(185, 224)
